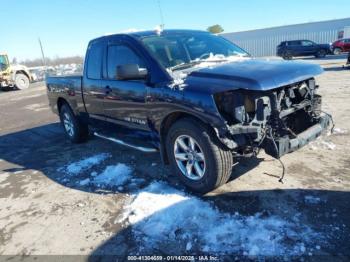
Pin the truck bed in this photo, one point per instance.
(67, 87)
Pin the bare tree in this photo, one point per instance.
(54, 61)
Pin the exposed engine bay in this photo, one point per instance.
(279, 120)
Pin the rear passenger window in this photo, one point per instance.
(121, 55)
(94, 62)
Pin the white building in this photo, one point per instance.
(263, 42)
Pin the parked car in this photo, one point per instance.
(342, 45)
(295, 48)
(198, 99)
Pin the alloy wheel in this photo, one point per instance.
(68, 124)
(189, 157)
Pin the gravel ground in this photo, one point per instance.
(53, 200)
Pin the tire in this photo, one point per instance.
(337, 51)
(321, 54)
(217, 160)
(74, 129)
(287, 56)
(21, 81)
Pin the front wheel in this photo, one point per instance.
(196, 156)
(337, 51)
(21, 81)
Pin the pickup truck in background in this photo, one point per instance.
(289, 49)
(195, 97)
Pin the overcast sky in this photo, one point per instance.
(66, 26)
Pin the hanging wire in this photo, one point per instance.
(278, 157)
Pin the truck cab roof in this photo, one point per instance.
(147, 33)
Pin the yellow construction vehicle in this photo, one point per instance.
(13, 75)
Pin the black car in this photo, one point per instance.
(290, 49)
(198, 99)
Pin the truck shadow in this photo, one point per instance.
(46, 149)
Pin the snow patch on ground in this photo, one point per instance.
(84, 164)
(112, 176)
(84, 182)
(37, 107)
(338, 131)
(160, 214)
(320, 143)
(312, 200)
(4, 176)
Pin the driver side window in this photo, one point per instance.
(121, 55)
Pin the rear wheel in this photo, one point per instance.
(287, 56)
(21, 81)
(321, 54)
(76, 131)
(196, 156)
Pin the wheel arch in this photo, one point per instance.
(60, 102)
(167, 122)
(23, 72)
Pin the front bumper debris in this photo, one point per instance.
(287, 145)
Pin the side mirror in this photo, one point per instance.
(131, 72)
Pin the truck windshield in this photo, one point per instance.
(178, 51)
(3, 62)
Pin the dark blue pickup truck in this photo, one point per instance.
(195, 97)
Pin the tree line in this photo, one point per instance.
(52, 61)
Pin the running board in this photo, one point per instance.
(120, 142)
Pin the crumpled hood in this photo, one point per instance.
(251, 74)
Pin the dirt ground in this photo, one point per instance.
(44, 211)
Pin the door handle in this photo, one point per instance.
(108, 90)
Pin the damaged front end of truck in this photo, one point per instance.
(279, 120)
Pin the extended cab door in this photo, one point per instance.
(125, 100)
(93, 93)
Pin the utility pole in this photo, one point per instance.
(161, 15)
(42, 53)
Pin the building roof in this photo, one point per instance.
(305, 27)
